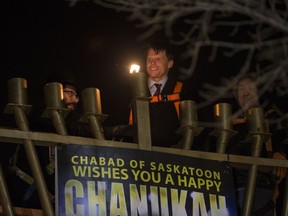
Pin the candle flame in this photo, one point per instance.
(134, 68)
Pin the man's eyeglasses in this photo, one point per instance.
(71, 93)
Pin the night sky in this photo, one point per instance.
(94, 44)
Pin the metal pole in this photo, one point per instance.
(251, 183)
(285, 194)
(223, 131)
(256, 123)
(222, 141)
(188, 123)
(140, 111)
(188, 138)
(4, 196)
(141, 118)
(285, 199)
(55, 106)
(34, 163)
(97, 130)
(58, 122)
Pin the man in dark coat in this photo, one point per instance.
(165, 92)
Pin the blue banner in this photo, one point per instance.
(103, 181)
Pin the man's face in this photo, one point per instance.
(70, 97)
(247, 94)
(157, 64)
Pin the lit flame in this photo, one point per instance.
(134, 68)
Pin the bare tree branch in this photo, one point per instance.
(258, 28)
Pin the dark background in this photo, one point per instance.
(96, 46)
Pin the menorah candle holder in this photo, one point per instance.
(92, 111)
(223, 130)
(91, 104)
(17, 105)
(188, 116)
(258, 134)
(17, 95)
(140, 85)
(140, 108)
(223, 120)
(257, 125)
(53, 93)
(188, 123)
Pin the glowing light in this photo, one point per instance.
(134, 68)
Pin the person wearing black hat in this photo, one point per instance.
(70, 88)
(70, 97)
(71, 100)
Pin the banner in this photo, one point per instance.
(104, 181)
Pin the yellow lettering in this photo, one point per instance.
(118, 202)
(96, 201)
(138, 203)
(178, 205)
(199, 204)
(71, 186)
(222, 210)
(169, 179)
